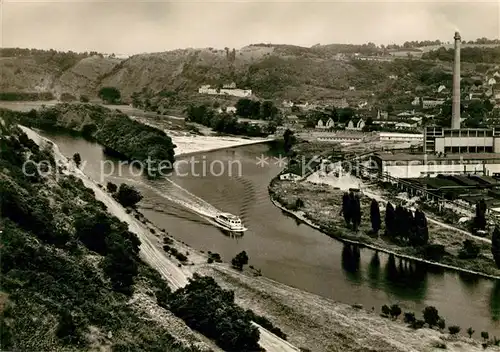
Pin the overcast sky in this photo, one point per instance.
(128, 27)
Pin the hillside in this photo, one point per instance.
(71, 274)
(271, 71)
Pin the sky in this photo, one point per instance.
(130, 27)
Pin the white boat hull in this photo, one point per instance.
(229, 227)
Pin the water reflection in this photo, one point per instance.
(469, 281)
(408, 280)
(351, 257)
(374, 270)
(495, 301)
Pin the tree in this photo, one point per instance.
(355, 206)
(128, 196)
(495, 246)
(289, 140)
(470, 332)
(375, 216)
(454, 329)
(480, 219)
(389, 219)
(239, 260)
(77, 159)
(110, 95)
(386, 311)
(431, 316)
(485, 335)
(346, 209)
(409, 317)
(111, 187)
(395, 311)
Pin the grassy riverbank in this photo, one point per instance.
(322, 206)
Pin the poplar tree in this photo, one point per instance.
(375, 216)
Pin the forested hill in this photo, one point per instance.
(271, 71)
(111, 128)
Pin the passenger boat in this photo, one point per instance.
(229, 221)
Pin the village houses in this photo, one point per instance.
(325, 125)
(355, 125)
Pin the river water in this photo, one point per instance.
(284, 250)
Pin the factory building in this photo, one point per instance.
(446, 150)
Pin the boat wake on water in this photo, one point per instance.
(187, 200)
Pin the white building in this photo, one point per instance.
(401, 137)
(416, 101)
(290, 177)
(241, 93)
(325, 125)
(355, 125)
(402, 165)
(492, 81)
(431, 103)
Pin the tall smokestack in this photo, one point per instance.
(455, 107)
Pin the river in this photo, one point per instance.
(284, 250)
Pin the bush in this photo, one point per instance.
(395, 311)
(240, 260)
(84, 99)
(441, 324)
(454, 329)
(418, 324)
(111, 187)
(77, 159)
(207, 308)
(470, 332)
(386, 311)
(409, 317)
(110, 95)
(128, 196)
(431, 316)
(485, 335)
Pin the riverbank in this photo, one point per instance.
(188, 143)
(322, 206)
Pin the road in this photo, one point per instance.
(149, 252)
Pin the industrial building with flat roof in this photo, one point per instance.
(446, 150)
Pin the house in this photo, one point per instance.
(496, 74)
(352, 88)
(287, 104)
(325, 125)
(492, 81)
(355, 125)
(290, 177)
(229, 86)
(431, 103)
(292, 119)
(404, 125)
(416, 101)
(441, 88)
(406, 113)
(362, 104)
(229, 109)
(393, 77)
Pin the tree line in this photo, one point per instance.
(467, 54)
(226, 123)
(254, 109)
(401, 224)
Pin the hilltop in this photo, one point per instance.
(271, 71)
